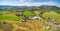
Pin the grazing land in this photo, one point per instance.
(42, 18)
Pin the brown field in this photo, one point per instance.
(21, 26)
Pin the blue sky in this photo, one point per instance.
(30, 2)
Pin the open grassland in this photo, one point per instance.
(4, 15)
(13, 21)
(21, 26)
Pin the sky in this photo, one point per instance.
(30, 2)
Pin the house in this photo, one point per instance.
(23, 19)
(35, 18)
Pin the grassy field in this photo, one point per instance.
(5, 16)
(12, 22)
(21, 26)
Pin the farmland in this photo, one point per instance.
(30, 19)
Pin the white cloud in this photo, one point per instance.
(22, 1)
(29, 3)
(37, 4)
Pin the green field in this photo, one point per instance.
(13, 20)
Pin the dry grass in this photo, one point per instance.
(25, 26)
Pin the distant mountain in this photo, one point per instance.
(15, 7)
(43, 7)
